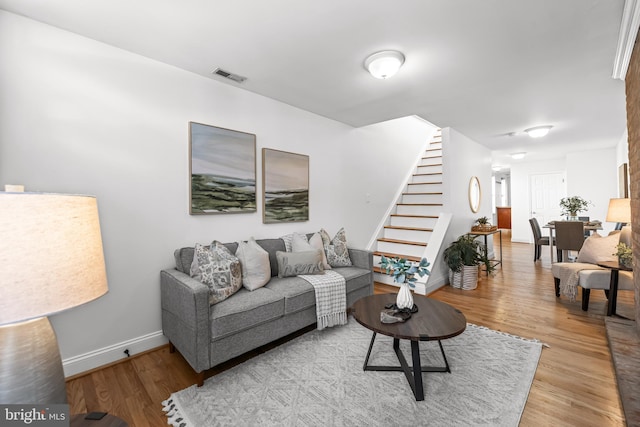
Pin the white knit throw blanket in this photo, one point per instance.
(331, 298)
(569, 277)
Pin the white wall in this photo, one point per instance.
(465, 158)
(589, 174)
(78, 116)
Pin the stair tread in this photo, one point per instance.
(423, 193)
(424, 183)
(430, 173)
(392, 255)
(396, 227)
(419, 204)
(403, 242)
(415, 216)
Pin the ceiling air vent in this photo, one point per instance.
(227, 75)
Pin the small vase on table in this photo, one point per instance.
(404, 298)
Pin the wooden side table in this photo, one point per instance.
(108, 420)
(615, 268)
(485, 234)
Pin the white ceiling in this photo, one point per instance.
(486, 68)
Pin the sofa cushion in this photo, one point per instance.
(295, 263)
(597, 249)
(601, 279)
(256, 270)
(245, 310)
(298, 293)
(217, 268)
(336, 248)
(356, 277)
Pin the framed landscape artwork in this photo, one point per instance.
(222, 170)
(285, 184)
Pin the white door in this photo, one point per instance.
(546, 191)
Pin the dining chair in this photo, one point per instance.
(538, 239)
(569, 237)
(587, 233)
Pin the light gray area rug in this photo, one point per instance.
(317, 380)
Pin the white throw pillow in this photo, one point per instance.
(256, 269)
(299, 243)
(316, 243)
(598, 249)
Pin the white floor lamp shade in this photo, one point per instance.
(51, 260)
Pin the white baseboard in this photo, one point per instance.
(85, 362)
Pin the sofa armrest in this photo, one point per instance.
(185, 316)
(361, 258)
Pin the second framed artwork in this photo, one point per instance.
(285, 184)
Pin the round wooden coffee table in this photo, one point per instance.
(434, 321)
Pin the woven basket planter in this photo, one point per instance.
(466, 278)
(485, 228)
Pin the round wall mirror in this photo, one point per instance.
(475, 194)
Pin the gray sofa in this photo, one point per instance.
(209, 335)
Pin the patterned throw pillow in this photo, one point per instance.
(336, 248)
(217, 268)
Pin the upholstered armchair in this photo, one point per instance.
(586, 274)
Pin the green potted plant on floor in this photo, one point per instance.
(463, 257)
(573, 205)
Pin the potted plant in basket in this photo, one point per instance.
(571, 206)
(483, 224)
(404, 272)
(463, 257)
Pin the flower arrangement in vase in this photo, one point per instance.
(571, 206)
(404, 272)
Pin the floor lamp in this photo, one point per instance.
(51, 260)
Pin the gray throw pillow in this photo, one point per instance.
(217, 268)
(295, 263)
(336, 248)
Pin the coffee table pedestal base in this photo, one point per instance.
(413, 374)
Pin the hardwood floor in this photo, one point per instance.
(574, 384)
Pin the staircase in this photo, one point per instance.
(410, 228)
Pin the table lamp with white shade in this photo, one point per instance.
(51, 260)
(619, 211)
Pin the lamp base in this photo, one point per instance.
(30, 364)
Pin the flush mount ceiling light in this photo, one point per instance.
(538, 131)
(385, 64)
(518, 156)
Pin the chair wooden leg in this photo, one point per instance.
(172, 348)
(556, 282)
(585, 299)
(606, 293)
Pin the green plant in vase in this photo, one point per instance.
(404, 272)
(573, 205)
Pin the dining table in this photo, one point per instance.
(551, 226)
